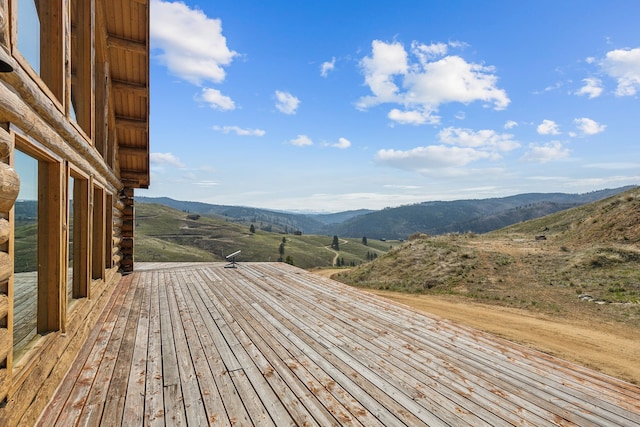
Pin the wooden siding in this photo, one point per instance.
(96, 53)
(270, 344)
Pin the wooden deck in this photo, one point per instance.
(270, 344)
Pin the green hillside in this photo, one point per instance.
(166, 234)
(585, 262)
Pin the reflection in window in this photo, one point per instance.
(29, 37)
(78, 238)
(26, 255)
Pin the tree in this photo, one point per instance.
(281, 250)
(364, 240)
(335, 244)
(289, 260)
(252, 229)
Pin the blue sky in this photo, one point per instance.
(339, 105)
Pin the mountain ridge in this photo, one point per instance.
(431, 217)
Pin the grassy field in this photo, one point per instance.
(166, 234)
(587, 266)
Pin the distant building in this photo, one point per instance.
(74, 142)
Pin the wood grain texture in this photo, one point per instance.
(270, 344)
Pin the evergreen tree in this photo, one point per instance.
(252, 229)
(335, 244)
(364, 240)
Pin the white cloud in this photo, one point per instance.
(482, 139)
(427, 52)
(342, 143)
(414, 117)
(239, 131)
(162, 159)
(424, 84)
(387, 60)
(301, 141)
(510, 124)
(327, 66)
(430, 157)
(588, 126)
(189, 43)
(548, 127)
(592, 87)
(546, 152)
(624, 66)
(286, 103)
(216, 99)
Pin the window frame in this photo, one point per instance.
(51, 282)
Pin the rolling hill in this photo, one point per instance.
(581, 262)
(434, 218)
(167, 234)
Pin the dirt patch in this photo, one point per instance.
(609, 348)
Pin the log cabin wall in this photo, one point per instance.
(77, 111)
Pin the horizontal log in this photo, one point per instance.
(9, 187)
(5, 231)
(117, 204)
(4, 306)
(6, 266)
(117, 257)
(6, 144)
(5, 383)
(117, 221)
(127, 227)
(6, 343)
(127, 193)
(126, 243)
(128, 211)
(23, 103)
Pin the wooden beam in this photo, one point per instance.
(133, 151)
(133, 46)
(130, 88)
(132, 123)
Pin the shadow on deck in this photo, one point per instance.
(271, 344)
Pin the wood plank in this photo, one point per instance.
(370, 341)
(173, 400)
(108, 317)
(133, 413)
(276, 359)
(194, 329)
(122, 348)
(153, 398)
(269, 344)
(193, 404)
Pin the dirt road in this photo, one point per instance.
(606, 348)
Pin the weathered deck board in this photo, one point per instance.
(270, 344)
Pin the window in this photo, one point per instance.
(98, 245)
(38, 237)
(78, 237)
(108, 246)
(81, 107)
(39, 38)
(29, 41)
(25, 286)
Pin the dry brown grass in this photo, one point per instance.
(591, 250)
